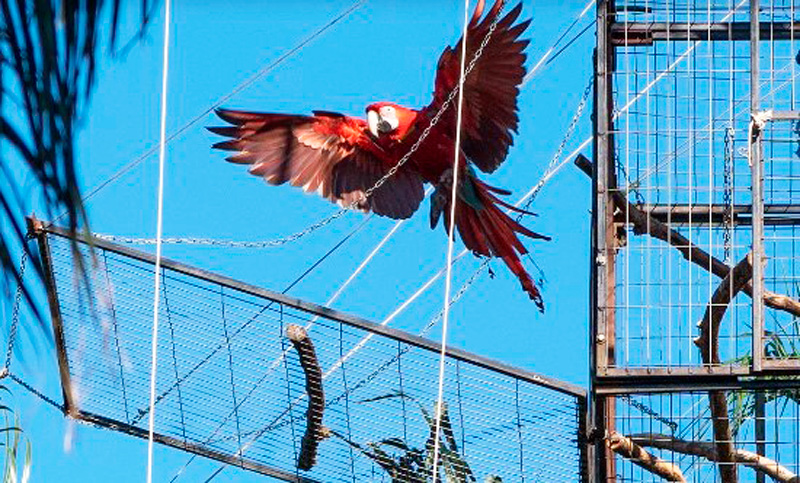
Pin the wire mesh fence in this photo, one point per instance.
(679, 431)
(682, 160)
(232, 385)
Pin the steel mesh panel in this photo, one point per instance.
(681, 153)
(230, 384)
(686, 416)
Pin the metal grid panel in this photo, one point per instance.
(230, 386)
(680, 147)
(681, 155)
(686, 416)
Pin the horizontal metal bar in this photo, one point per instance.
(197, 449)
(645, 33)
(774, 214)
(649, 372)
(785, 115)
(328, 313)
(781, 365)
(682, 379)
(699, 383)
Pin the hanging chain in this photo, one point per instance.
(554, 162)
(12, 333)
(355, 204)
(727, 195)
(646, 410)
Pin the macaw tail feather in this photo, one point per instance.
(488, 231)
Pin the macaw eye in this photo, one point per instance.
(387, 111)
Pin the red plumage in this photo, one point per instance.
(341, 157)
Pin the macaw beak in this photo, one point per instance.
(373, 120)
(379, 125)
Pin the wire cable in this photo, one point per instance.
(159, 233)
(239, 88)
(450, 243)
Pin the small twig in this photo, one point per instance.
(628, 449)
(707, 450)
(315, 432)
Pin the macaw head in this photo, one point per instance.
(388, 118)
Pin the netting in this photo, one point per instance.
(231, 385)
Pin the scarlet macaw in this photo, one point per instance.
(340, 157)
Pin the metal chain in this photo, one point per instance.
(12, 333)
(646, 410)
(36, 392)
(560, 151)
(325, 221)
(727, 194)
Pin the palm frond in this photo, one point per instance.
(48, 57)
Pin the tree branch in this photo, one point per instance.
(644, 224)
(707, 450)
(315, 432)
(626, 448)
(708, 343)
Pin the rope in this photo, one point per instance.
(247, 83)
(159, 232)
(450, 243)
(12, 332)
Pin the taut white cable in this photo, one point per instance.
(159, 226)
(450, 243)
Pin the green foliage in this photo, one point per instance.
(18, 455)
(405, 463)
(743, 404)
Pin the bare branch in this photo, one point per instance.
(644, 224)
(708, 343)
(626, 448)
(315, 432)
(731, 284)
(707, 450)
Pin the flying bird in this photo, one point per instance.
(342, 157)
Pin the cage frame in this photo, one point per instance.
(607, 381)
(39, 232)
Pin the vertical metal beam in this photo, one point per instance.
(602, 254)
(761, 431)
(757, 191)
(35, 228)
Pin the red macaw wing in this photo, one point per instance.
(491, 89)
(327, 153)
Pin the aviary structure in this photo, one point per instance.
(696, 250)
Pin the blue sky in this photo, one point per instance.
(387, 50)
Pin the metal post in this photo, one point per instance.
(757, 192)
(602, 262)
(761, 431)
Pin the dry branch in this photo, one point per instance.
(731, 284)
(639, 456)
(708, 343)
(315, 432)
(644, 224)
(707, 450)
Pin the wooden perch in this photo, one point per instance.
(644, 224)
(639, 456)
(315, 432)
(708, 343)
(707, 450)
